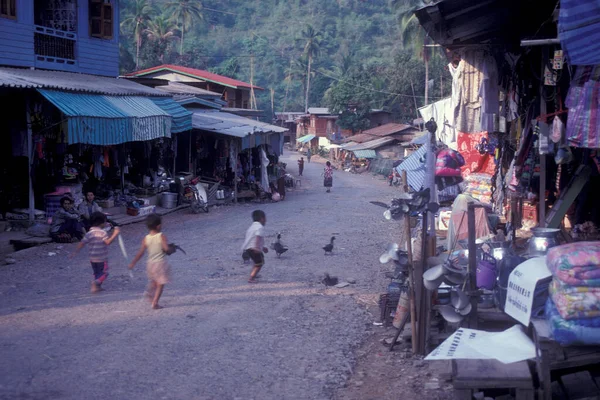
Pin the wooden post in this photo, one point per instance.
(421, 292)
(542, 210)
(175, 154)
(472, 267)
(411, 275)
(29, 161)
(235, 172)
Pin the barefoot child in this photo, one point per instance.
(98, 241)
(254, 244)
(157, 268)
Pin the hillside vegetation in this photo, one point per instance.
(356, 53)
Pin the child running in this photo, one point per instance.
(157, 268)
(98, 241)
(254, 244)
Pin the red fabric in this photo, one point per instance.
(474, 162)
(447, 172)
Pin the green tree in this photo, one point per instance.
(351, 99)
(312, 47)
(137, 23)
(185, 12)
(161, 31)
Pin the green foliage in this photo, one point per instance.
(351, 101)
(359, 41)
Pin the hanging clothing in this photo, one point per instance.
(490, 96)
(474, 160)
(264, 177)
(583, 124)
(469, 110)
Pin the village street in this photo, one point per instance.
(288, 337)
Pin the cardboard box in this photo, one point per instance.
(146, 210)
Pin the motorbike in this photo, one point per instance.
(195, 194)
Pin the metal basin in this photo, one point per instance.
(542, 240)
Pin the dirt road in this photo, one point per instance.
(288, 337)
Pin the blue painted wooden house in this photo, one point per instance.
(63, 35)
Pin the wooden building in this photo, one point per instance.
(62, 35)
(234, 92)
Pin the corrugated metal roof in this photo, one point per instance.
(188, 100)
(365, 154)
(69, 81)
(362, 137)
(389, 129)
(415, 168)
(109, 120)
(305, 138)
(182, 88)
(234, 125)
(182, 118)
(196, 73)
(318, 110)
(373, 144)
(349, 145)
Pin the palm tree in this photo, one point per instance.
(312, 47)
(412, 34)
(185, 12)
(161, 30)
(137, 22)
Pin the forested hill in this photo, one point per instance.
(349, 40)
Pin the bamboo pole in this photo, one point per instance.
(411, 276)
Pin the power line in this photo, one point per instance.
(346, 82)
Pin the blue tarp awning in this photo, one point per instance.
(305, 138)
(182, 118)
(109, 120)
(365, 153)
(415, 168)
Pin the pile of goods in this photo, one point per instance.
(573, 309)
(479, 187)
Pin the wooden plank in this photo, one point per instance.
(579, 385)
(482, 374)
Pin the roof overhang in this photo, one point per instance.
(456, 23)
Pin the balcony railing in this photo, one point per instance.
(53, 45)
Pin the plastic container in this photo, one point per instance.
(168, 200)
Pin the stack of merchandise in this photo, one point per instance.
(479, 187)
(448, 174)
(573, 309)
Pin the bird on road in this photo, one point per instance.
(329, 247)
(279, 247)
(330, 280)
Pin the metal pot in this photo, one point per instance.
(542, 240)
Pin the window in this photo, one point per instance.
(101, 19)
(8, 9)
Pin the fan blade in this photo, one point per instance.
(466, 310)
(450, 314)
(459, 299)
(433, 277)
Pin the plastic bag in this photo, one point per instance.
(558, 130)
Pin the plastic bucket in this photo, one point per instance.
(169, 200)
(486, 275)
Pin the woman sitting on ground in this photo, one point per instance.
(66, 223)
(87, 208)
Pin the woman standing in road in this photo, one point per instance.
(309, 154)
(328, 176)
